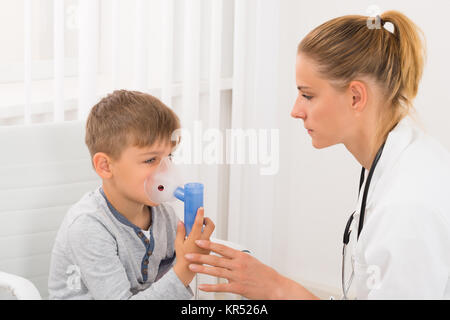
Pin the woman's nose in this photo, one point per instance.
(297, 111)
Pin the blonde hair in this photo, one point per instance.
(128, 118)
(347, 47)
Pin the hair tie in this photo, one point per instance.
(383, 22)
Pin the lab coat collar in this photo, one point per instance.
(397, 141)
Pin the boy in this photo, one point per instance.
(115, 243)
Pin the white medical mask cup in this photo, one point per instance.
(162, 183)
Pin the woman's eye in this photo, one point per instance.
(307, 97)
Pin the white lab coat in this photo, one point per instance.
(403, 251)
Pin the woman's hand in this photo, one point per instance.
(245, 274)
(185, 245)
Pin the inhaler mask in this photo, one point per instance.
(165, 184)
(160, 186)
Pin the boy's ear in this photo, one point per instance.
(102, 165)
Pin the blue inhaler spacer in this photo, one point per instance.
(164, 186)
(192, 196)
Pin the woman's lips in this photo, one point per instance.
(309, 131)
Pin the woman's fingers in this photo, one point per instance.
(212, 271)
(210, 260)
(220, 287)
(217, 248)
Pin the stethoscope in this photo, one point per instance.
(346, 287)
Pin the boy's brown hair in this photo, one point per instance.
(128, 118)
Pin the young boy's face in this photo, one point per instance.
(134, 166)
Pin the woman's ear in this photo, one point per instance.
(359, 95)
(102, 165)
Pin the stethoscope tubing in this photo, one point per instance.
(347, 231)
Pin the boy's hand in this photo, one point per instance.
(187, 245)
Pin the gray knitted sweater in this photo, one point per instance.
(99, 254)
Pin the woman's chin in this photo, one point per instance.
(318, 145)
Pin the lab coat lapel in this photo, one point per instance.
(397, 141)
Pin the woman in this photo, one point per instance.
(356, 83)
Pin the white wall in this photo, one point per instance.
(316, 190)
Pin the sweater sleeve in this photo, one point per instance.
(94, 250)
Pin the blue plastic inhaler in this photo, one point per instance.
(192, 196)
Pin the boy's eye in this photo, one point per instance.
(150, 160)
